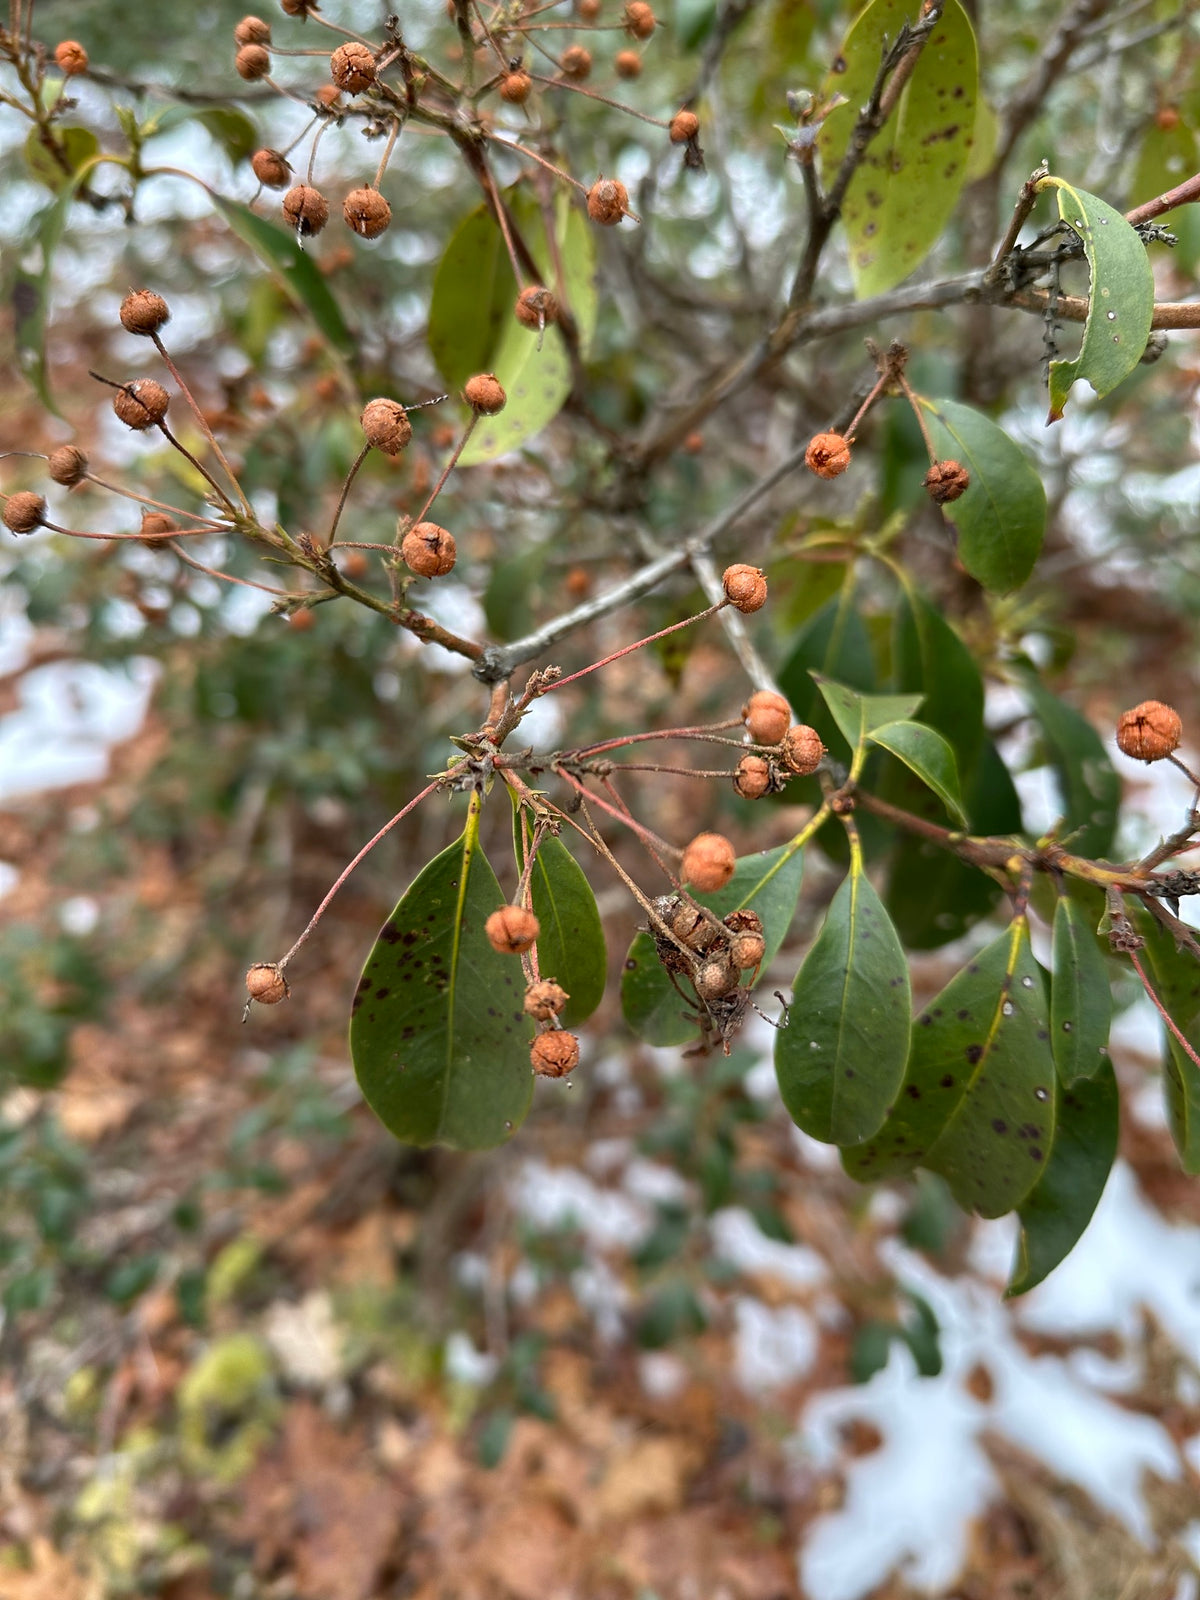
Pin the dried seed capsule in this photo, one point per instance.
(306, 209)
(355, 564)
(745, 587)
(828, 454)
(141, 404)
(367, 212)
(628, 64)
(747, 950)
(429, 550)
(743, 921)
(1149, 732)
(639, 19)
(512, 930)
(298, 8)
(691, 927)
(767, 716)
(386, 426)
(68, 465)
(156, 527)
(607, 201)
(545, 1000)
(802, 749)
(253, 61)
(327, 95)
(554, 1054)
(752, 778)
(485, 394)
(266, 984)
(271, 169)
(252, 30)
(71, 58)
(144, 312)
(946, 481)
(23, 512)
(576, 63)
(536, 307)
(708, 862)
(515, 88)
(352, 67)
(716, 977)
(589, 10)
(685, 125)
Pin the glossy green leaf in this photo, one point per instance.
(768, 883)
(833, 641)
(472, 300)
(977, 1105)
(1175, 975)
(1001, 519)
(1080, 996)
(1058, 1209)
(570, 944)
(926, 753)
(79, 147)
(1120, 299)
(910, 177)
(438, 1036)
(840, 1058)
(858, 715)
(1088, 784)
(929, 657)
(299, 275)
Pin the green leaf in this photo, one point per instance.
(438, 1036)
(977, 1105)
(908, 182)
(1001, 519)
(1120, 299)
(1058, 1209)
(473, 295)
(926, 753)
(1175, 975)
(928, 656)
(834, 642)
(840, 1058)
(570, 942)
(299, 275)
(858, 715)
(768, 883)
(1167, 156)
(79, 147)
(1088, 784)
(232, 129)
(31, 294)
(1080, 996)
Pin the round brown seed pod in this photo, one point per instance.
(327, 95)
(70, 58)
(802, 749)
(144, 312)
(512, 930)
(685, 125)
(628, 64)
(252, 30)
(141, 404)
(639, 19)
(266, 984)
(355, 564)
(716, 977)
(352, 67)
(589, 10)
(536, 307)
(691, 927)
(156, 527)
(743, 921)
(767, 716)
(298, 8)
(554, 1054)
(515, 88)
(68, 465)
(271, 169)
(1149, 732)
(485, 393)
(429, 550)
(575, 63)
(828, 454)
(607, 201)
(946, 481)
(253, 61)
(23, 512)
(367, 212)
(385, 426)
(708, 862)
(306, 209)
(747, 950)
(745, 587)
(752, 778)
(545, 1000)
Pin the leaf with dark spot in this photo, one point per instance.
(1080, 997)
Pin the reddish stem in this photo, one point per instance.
(1160, 1008)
